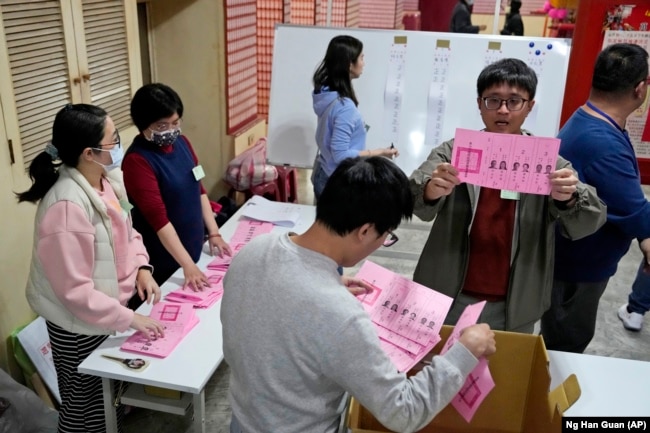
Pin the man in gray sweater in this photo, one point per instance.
(297, 340)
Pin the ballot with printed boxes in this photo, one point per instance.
(507, 392)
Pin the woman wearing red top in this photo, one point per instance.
(163, 180)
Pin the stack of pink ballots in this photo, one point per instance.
(408, 316)
(201, 298)
(216, 270)
(177, 319)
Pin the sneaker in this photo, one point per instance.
(631, 321)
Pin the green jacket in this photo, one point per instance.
(443, 262)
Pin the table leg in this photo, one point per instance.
(109, 410)
(199, 412)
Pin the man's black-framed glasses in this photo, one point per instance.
(512, 104)
(390, 239)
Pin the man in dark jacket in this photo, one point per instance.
(461, 18)
(514, 25)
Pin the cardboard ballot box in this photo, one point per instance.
(520, 402)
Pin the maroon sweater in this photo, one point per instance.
(490, 246)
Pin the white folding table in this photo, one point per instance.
(191, 364)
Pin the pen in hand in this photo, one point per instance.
(395, 154)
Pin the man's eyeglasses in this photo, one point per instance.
(512, 104)
(116, 141)
(390, 239)
(166, 126)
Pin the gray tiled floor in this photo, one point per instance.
(611, 338)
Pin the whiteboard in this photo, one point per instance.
(298, 50)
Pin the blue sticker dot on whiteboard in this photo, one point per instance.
(531, 44)
(549, 46)
(538, 52)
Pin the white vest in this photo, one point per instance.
(72, 186)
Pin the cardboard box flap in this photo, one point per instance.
(565, 394)
(520, 402)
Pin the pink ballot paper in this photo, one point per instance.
(216, 269)
(178, 319)
(245, 231)
(407, 315)
(511, 162)
(201, 298)
(479, 383)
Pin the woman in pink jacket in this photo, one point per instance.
(87, 260)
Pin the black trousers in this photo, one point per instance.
(570, 323)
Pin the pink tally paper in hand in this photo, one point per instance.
(479, 383)
(408, 316)
(178, 321)
(511, 162)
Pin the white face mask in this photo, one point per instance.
(117, 154)
(469, 2)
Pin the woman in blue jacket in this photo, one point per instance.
(341, 132)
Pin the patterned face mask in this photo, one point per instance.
(165, 138)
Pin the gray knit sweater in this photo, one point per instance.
(296, 340)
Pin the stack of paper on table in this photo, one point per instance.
(178, 320)
(278, 213)
(246, 230)
(204, 298)
(216, 269)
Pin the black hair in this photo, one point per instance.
(76, 127)
(620, 68)
(515, 6)
(365, 190)
(153, 102)
(509, 71)
(334, 69)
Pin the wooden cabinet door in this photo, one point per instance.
(59, 52)
(110, 62)
(37, 80)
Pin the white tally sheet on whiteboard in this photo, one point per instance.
(36, 342)
(437, 96)
(292, 121)
(394, 92)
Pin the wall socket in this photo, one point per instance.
(250, 139)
